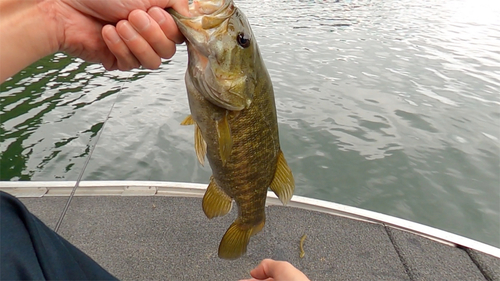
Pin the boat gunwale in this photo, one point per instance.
(34, 189)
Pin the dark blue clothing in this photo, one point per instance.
(29, 250)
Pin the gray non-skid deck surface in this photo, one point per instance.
(169, 238)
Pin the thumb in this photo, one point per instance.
(265, 269)
(181, 6)
(277, 271)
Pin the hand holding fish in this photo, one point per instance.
(143, 39)
(272, 270)
(144, 32)
(120, 34)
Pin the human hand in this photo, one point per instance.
(271, 270)
(144, 31)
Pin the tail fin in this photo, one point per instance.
(235, 241)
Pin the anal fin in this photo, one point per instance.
(200, 146)
(215, 201)
(283, 183)
(224, 137)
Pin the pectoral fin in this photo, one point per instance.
(188, 120)
(216, 202)
(283, 183)
(225, 139)
(200, 146)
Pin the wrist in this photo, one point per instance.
(29, 33)
(53, 32)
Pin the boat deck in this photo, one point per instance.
(146, 231)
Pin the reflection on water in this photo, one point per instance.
(391, 106)
(50, 112)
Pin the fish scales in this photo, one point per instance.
(252, 163)
(232, 106)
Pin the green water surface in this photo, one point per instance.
(391, 106)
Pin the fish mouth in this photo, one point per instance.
(206, 20)
(204, 15)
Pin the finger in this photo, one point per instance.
(109, 62)
(124, 59)
(152, 33)
(106, 57)
(167, 24)
(139, 47)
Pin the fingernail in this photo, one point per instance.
(141, 21)
(157, 14)
(127, 32)
(113, 37)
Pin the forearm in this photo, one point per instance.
(28, 32)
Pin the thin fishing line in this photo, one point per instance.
(66, 207)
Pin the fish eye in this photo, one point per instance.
(243, 40)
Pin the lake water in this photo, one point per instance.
(391, 106)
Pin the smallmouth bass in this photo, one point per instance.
(232, 106)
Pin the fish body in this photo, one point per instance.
(232, 107)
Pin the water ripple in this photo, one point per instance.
(388, 105)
